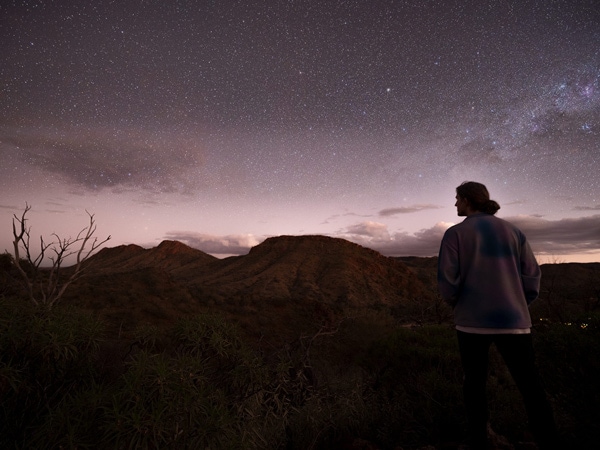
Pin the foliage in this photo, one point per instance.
(415, 386)
(568, 358)
(201, 385)
(44, 357)
(570, 293)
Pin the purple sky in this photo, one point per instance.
(222, 123)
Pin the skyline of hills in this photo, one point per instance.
(284, 286)
(289, 285)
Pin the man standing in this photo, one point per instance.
(489, 275)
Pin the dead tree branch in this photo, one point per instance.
(47, 286)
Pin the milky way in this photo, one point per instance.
(220, 123)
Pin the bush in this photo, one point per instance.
(416, 387)
(568, 358)
(200, 385)
(167, 402)
(44, 356)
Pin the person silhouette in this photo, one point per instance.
(488, 274)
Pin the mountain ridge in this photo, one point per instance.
(167, 255)
(284, 283)
(287, 285)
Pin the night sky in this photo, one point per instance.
(221, 123)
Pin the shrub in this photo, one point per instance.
(416, 387)
(200, 385)
(167, 402)
(568, 359)
(44, 356)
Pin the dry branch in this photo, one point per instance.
(47, 286)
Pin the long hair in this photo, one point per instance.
(478, 197)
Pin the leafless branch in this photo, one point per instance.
(47, 286)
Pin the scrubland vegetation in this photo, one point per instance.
(65, 382)
(108, 367)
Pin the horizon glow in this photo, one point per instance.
(225, 123)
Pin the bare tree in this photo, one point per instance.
(46, 286)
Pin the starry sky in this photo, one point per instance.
(219, 123)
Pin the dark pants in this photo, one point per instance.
(517, 352)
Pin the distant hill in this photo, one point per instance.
(308, 268)
(168, 255)
(290, 285)
(285, 283)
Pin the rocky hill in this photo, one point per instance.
(167, 256)
(289, 285)
(285, 284)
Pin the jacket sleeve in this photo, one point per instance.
(530, 273)
(448, 269)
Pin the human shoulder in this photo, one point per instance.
(505, 223)
(455, 230)
(469, 221)
(474, 222)
(499, 223)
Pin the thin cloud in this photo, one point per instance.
(425, 242)
(369, 230)
(337, 216)
(564, 236)
(406, 210)
(560, 237)
(10, 207)
(587, 208)
(238, 244)
(516, 202)
(95, 159)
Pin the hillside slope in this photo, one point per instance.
(284, 283)
(309, 268)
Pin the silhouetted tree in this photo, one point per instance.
(46, 286)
